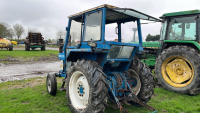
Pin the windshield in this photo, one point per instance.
(93, 26)
(75, 33)
(129, 32)
(182, 28)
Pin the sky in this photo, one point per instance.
(51, 16)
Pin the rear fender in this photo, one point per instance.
(193, 44)
(100, 58)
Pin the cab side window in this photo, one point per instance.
(199, 26)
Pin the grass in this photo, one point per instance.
(27, 54)
(31, 96)
(54, 46)
(19, 46)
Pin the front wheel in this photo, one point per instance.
(86, 87)
(51, 84)
(140, 80)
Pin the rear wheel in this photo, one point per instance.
(51, 84)
(86, 87)
(27, 48)
(43, 48)
(177, 69)
(10, 47)
(141, 81)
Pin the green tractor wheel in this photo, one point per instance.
(177, 69)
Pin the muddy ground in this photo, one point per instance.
(13, 60)
(22, 47)
(24, 68)
(14, 71)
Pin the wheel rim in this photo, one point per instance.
(79, 90)
(49, 84)
(177, 71)
(134, 81)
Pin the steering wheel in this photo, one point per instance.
(189, 38)
(176, 37)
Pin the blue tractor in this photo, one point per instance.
(96, 70)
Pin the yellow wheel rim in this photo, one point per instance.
(177, 71)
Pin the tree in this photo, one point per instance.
(5, 30)
(60, 34)
(19, 30)
(49, 40)
(11, 33)
(152, 38)
(32, 30)
(74, 38)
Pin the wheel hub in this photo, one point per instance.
(178, 71)
(134, 81)
(79, 90)
(49, 85)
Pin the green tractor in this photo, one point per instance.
(177, 54)
(149, 54)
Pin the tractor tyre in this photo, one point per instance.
(177, 69)
(86, 87)
(43, 48)
(140, 72)
(10, 47)
(51, 84)
(27, 48)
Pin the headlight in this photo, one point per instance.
(92, 44)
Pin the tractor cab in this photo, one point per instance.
(181, 26)
(86, 36)
(178, 52)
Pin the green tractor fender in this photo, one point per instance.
(193, 44)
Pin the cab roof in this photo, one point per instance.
(189, 12)
(114, 13)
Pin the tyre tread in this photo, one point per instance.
(146, 79)
(179, 49)
(98, 87)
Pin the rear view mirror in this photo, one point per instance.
(116, 30)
